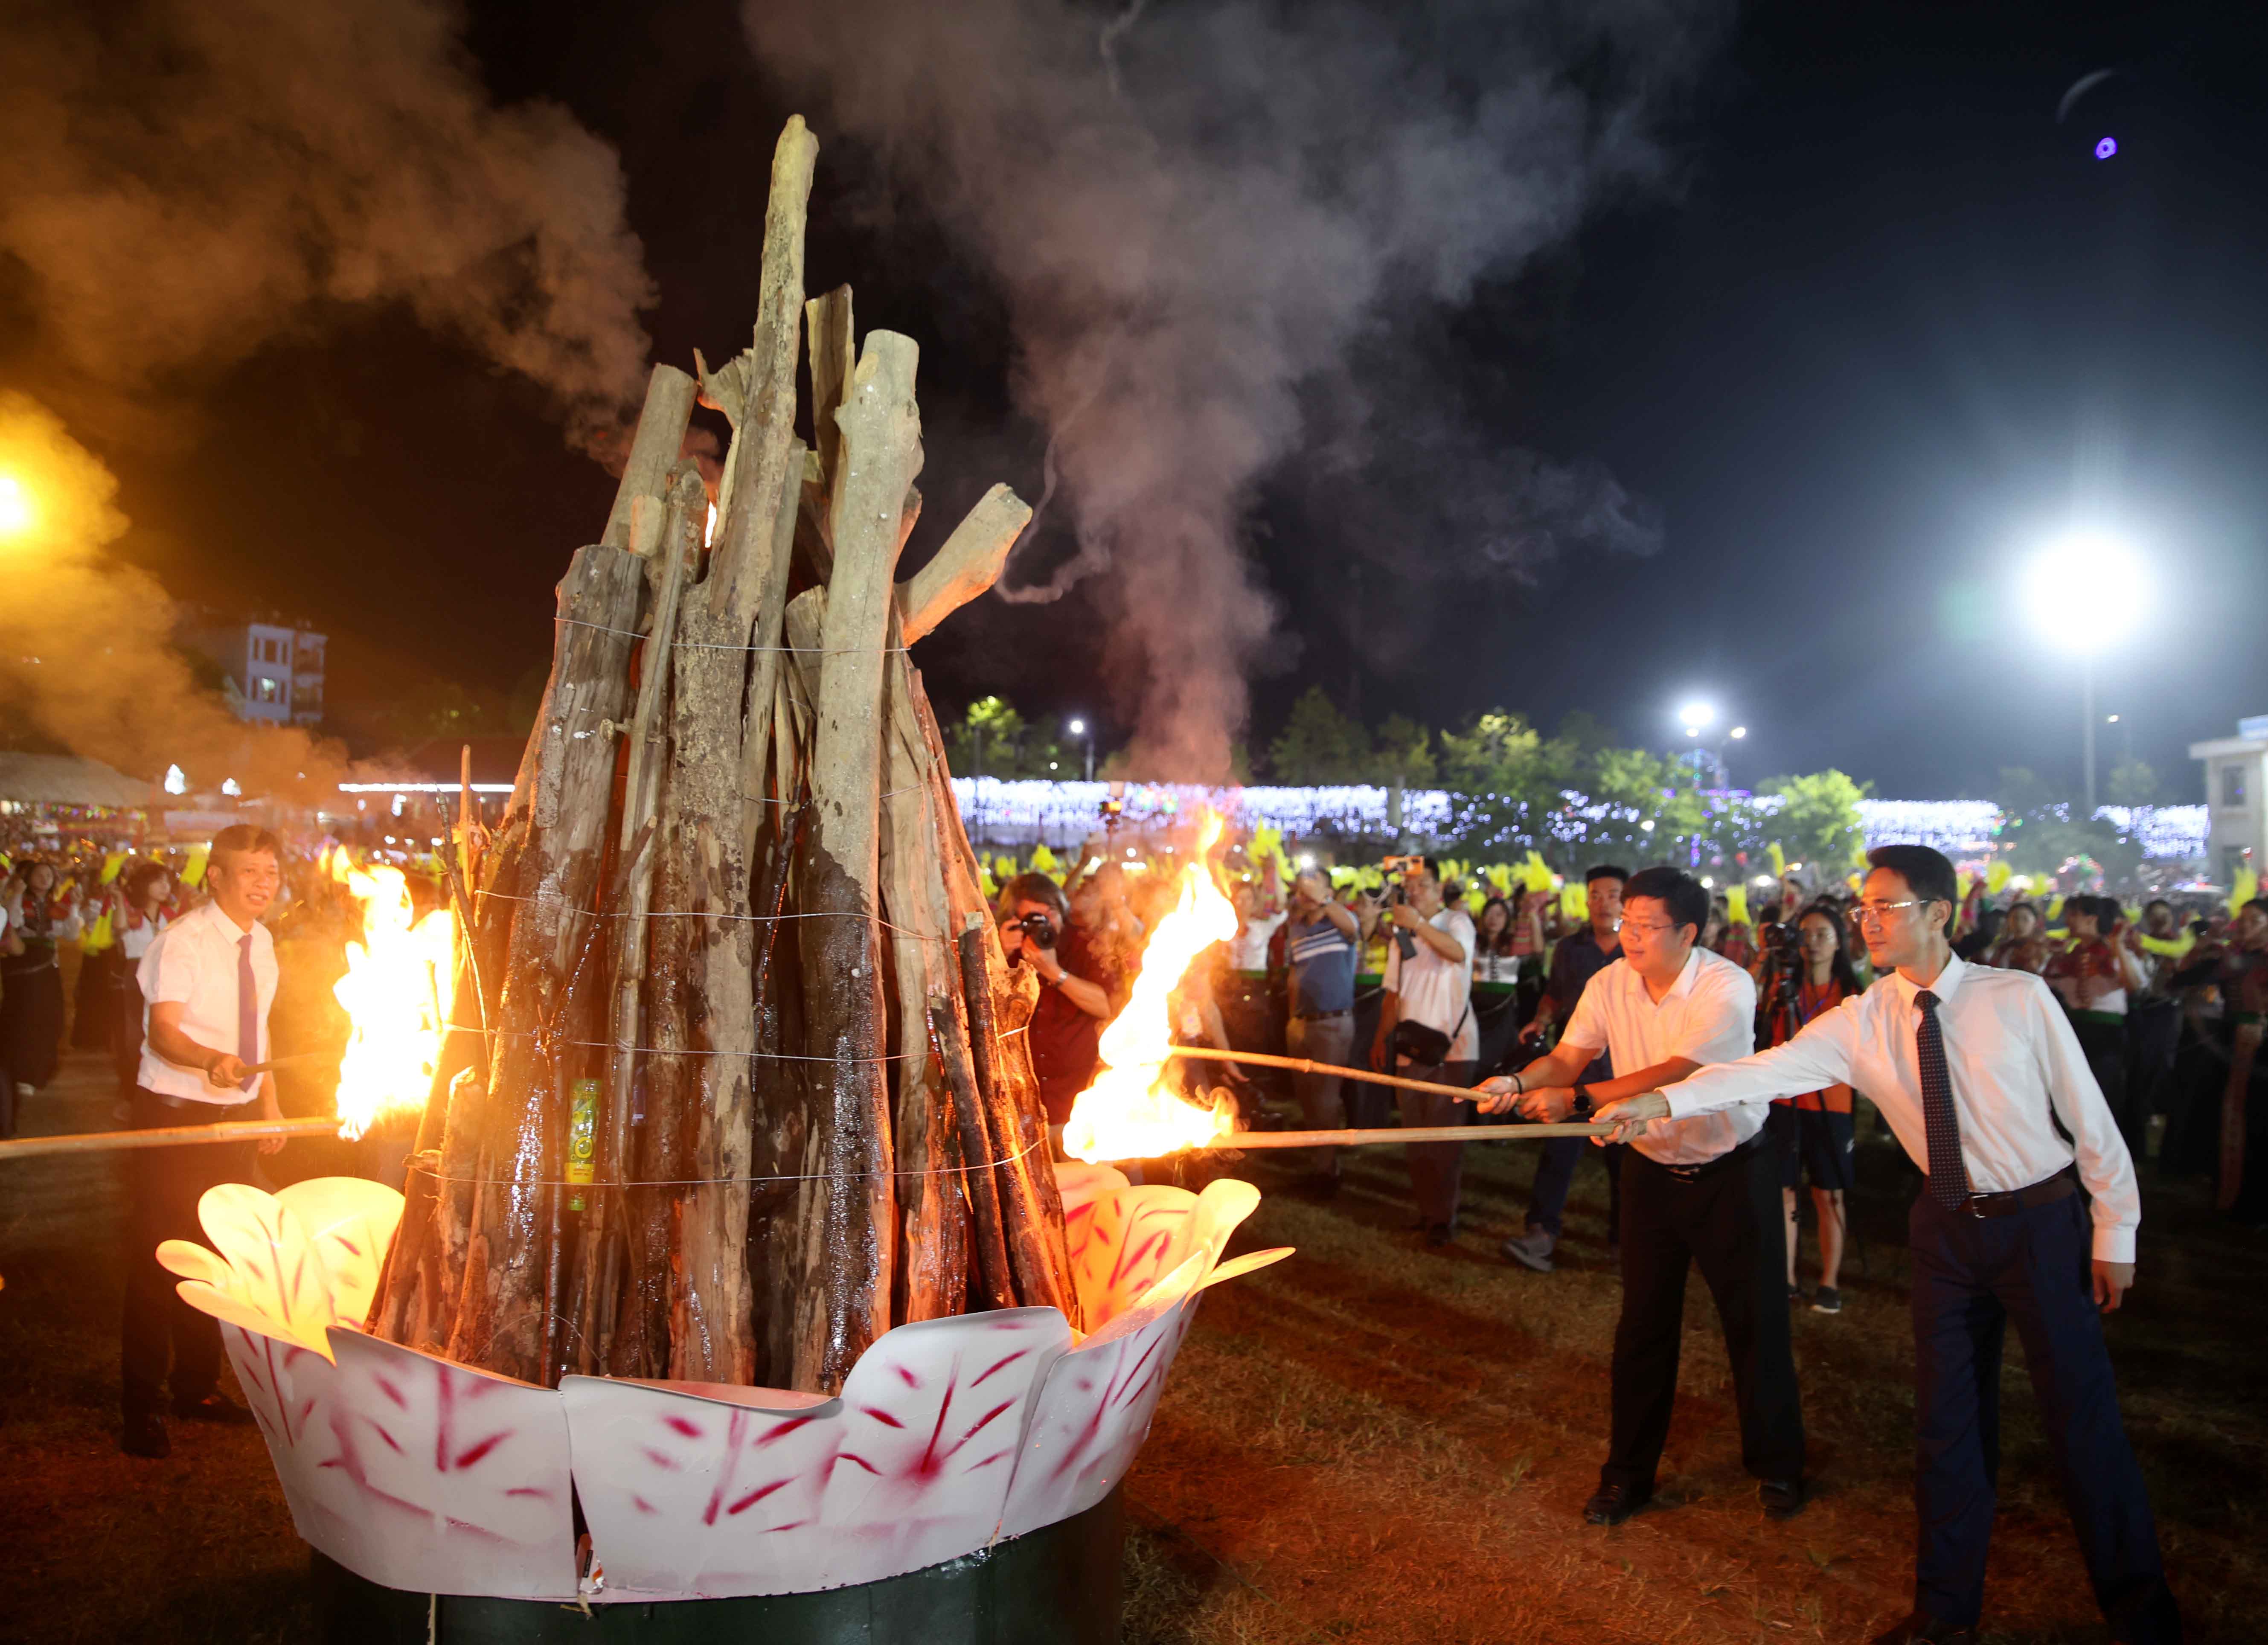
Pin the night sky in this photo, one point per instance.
(1887, 326)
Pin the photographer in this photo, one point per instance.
(1426, 1030)
(1079, 990)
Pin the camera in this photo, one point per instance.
(1038, 931)
(1395, 867)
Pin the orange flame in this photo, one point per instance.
(400, 984)
(1129, 1112)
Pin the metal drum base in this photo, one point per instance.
(1058, 1586)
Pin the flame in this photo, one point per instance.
(400, 984)
(1129, 1112)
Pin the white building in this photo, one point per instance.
(2237, 797)
(274, 672)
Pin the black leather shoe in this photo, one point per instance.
(145, 1437)
(1921, 1628)
(1783, 1499)
(1611, 1504)
(214, 1407)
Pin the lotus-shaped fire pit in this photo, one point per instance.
(950, 1435)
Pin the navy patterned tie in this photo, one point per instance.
(1948, 1178)
(248, 1012)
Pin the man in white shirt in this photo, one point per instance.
(1425, 1030)
(1705, 1191)
(210, 978)
(1982, 1079)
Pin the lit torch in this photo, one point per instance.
(400, 985)
(1129, 1112)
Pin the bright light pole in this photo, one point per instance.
(2086, 592)
(15, 511)
(1079, 728)
(1696, 716)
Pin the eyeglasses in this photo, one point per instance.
(1645, 930)
(1879, 912)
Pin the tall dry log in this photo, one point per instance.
(606, 1237)
(932, 1260)
(711, 1337)
(655, 448)
(965, 565)
(1021, 1159)
(992, 1276)
(499, 1320)
(662, 1152)
(849, 1229)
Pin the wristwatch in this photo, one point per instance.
(1582, 1108)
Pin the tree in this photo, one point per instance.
(1503, 782)
(1319, 746)
(1817, 821)
(2133, 784)
(1404, 753)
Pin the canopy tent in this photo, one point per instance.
(68, 779)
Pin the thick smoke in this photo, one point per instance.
(1196, 210)
(86, 652)
(187, 180)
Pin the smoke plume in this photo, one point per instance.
(187, 180)
(1198, 210)
(86, 643)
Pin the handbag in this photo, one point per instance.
(1425, 1045)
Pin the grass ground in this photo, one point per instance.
(1372, 1441)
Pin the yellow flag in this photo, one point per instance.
(1044, 860)
(1996, 879)
(195, 873)
(1538, 873)
(2055, 909)
(1736, 905)
(1575, 900)
(1779, 860)
(111, 864)
(97, 936)
(2246, 888)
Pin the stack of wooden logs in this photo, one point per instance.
(752, 1086)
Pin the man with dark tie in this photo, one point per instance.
(1979, 1074)
(210, 978)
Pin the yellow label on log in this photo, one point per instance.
(582, 1137)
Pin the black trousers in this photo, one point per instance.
(1971, 1275)
(2105, 1046)
(1436, 1169)
(1728, 1222)
(163, 1188)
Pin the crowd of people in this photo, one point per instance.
(77, 917)
(1411, 968)
(2029, 1059)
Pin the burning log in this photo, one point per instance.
(849, 1227)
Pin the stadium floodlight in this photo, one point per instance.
(2086, 592)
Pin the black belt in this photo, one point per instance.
(2062, 1185)
(1710, 1167)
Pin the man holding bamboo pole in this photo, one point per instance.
(1982, 1081)
(210, 978)
(1704, 1192)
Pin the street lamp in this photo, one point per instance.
(1079, 728)
(1696, 714)
(2087, 591)
(15, 511)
